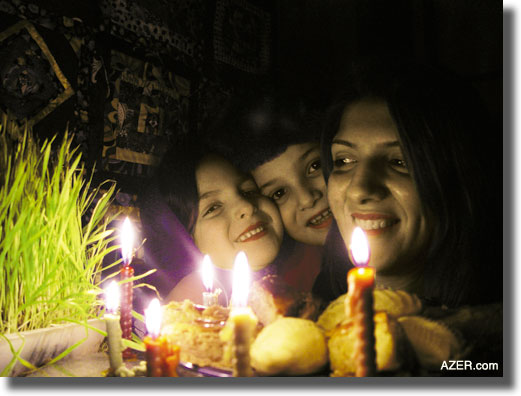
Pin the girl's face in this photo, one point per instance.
(234, 216)
(371, 187)
(294, 181)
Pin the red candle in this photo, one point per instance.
(127, 272)
(359, 305)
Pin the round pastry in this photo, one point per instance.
(396, 303)
(432, 341)
(289, 346)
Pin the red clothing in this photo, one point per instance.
(302, 267)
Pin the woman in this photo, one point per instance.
(223, 212)
(275, 136)
(410, 157)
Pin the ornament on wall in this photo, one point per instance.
(32, 83)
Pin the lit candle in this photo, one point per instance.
(209, 297)
(112, 326)
(359, 304)
(162, 357)
(242, 318)
(127, 242)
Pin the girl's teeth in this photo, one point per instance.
(321, 217)
(251, 233)
(374, 224)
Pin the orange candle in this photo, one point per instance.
(359, 305)
(162, 357)
(172, 361)
(155, 348)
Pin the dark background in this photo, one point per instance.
(199, 52)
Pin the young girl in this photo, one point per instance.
(410, 157)
(222, 211)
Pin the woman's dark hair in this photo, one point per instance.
(454, 153)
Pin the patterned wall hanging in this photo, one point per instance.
(242, 36)
(147, 108)
(33, 85)
(170, 27)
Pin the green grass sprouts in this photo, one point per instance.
(50, 262)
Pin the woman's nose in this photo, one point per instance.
(366, 184)
(245, 208)
(308, 195)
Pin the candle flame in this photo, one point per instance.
(359, 247)
(127, 241)
(153, 318)
(112, 297)
(241, 280)
(207, 273)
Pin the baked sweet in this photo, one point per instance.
(289, 346)
(197, 331)
(395, 303)
(271, 298)
(391, 346)
(432, 341)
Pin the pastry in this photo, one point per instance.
(289, 346)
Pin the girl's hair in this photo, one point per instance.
(454, 153)
(176, 180)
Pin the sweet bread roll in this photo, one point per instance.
(289, 346)
(391, 346)
(432, 341)
(395, 303)
(272, 298)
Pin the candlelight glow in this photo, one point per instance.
(153, 318)
(127, 241)
(207, 271)
(241, 281)
(359, 247)
(112, 297)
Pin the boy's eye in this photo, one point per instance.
(250, 193)
(278, 194)
(315, 165)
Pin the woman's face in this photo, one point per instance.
(234, 216)
(294, 181)
(371, 187)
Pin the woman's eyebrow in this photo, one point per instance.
(343, 143)
(392, 143)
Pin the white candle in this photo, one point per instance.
(112, 326)
(209, 297)
(242, 318)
